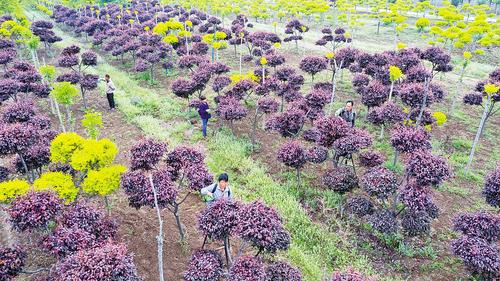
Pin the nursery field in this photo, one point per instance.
(106, 173)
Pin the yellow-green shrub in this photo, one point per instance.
(94, 155)
(59, 182)
(9, 190)
(64, 145)
(103, 182)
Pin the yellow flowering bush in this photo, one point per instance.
(94, 155)
(440, 118)
(491, 88)
(395, 73)
(422, 23)
(9, 190)
(60, 183)
(64, 145)
(219, 35)
(103, 182)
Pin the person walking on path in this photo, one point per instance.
(110, 91)
(347, 113)
(203, 111)
(217, 190)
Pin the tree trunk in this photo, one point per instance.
(59, 116)
(382, 132)
(424, 102)
(159, 238)
(478, 134)
(298, 178)
(83, 97)
(254, 127)
(227, 251)
(391, 90)
(178, 221)
(395, 159)
(25, 167)
(106, 203)
(68, 117)
(334, 85)
(241, 58)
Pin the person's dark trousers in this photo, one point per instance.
(204, 123)
(111, 100)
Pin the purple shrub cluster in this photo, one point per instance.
(204, 265)
(313, 65)
(282, 271)
(268, 105)
(340, 180)
(109, 262)
(330, 129)
(480, 224)
(379, 182)
(26, 135)
(384, 221)
(418, 198)
(317, 154)
(371, 158)
(230, 109)
(43, 29)
(287, 123)
(7, 52)
(407, 139)
(292, 154)
(139, 190)
(220, 220)
(247, 269)
(22, 77)
(146, 153)
(360, 206)
(349, 275)
(80, 226)
(12, 262)
(427, 169)
(262, 227)
(4, 173)
(491, 190)
(480, 257)
(34, 211)
(355, 140)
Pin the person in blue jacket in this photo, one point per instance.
(204, 112)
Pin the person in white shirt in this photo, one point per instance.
(217, 191)
(110, 91)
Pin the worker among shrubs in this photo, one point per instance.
(110, 90)
(217, 190)
(203, 111)
(347, 113)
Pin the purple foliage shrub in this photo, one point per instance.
(340, 180)
(204, 265)
(12, 262)
(219, 221)
(108, 262)
(282, 271)
(247, 269)
(34, 210)
(379, 182)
